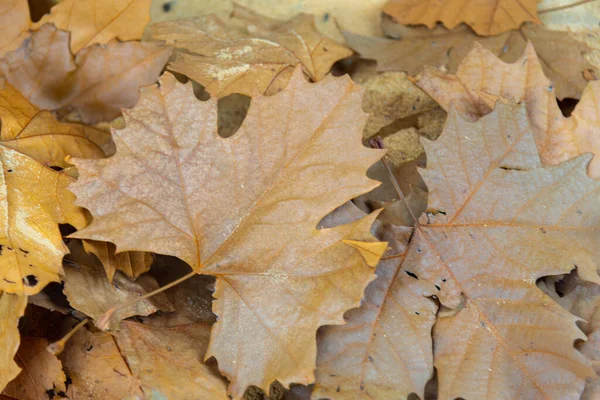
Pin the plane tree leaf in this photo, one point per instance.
(245, 209)
(260, 55)
(482, 79)
(496, 222)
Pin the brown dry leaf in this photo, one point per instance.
(12, 307)
(131, 263)
(482, 78)
(34, 202)
(384, 349)
(39, 135)
(260, 56)
(98, 82)
(41, 371)
(14, 19)
(91, 21)
(486, 17)
(245, 209)
(562, 56)
(83, 271)
(569, 15)
(168, 360)
(496, 222)
(97, 369)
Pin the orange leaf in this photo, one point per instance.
(245, 209)
(486, 17)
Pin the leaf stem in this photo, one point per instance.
(57, 347)
(104, 319)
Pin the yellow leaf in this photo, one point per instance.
(371, 251)
(12, 308)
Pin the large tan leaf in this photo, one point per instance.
(131, 263)
(482, 78)
(168, 360)
(486, 17)
(39, 135)
(97, 369)
(562, 56)
(34, 201)
(496, 222)
(12, 308)
(97, 82)
(42, 371)
(92, 21)
(384, 349)
(260, 57)
(14, 19)
(245, 209)
(83, 271)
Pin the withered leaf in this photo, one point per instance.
(260, 56)
(97, 82)
(12, 307)
(91, 21)
(563, 57)
(245, 209)
(487, 17)
(131, 263)
(497, 221)
(14, 19)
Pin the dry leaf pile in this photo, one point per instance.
(299, 200)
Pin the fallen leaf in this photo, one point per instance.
(562, 56)
(384, 349)
(83, 271)
(250, 218)
(181, 9)
(14, 19)
(42, 372)
(97, 369)
(168, 360)
(39, 135)
(12, 307)
(91, 21)
(487, 17)
(496, 222)
(34, 202)
(98, 82)
(259, 57)
(482, 79)
(131, 263)
(569, 15)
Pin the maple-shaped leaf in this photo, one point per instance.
(486, 17)
(12, 307)
(227, 59)
(91, 21)
(41, 371)
(562, 56)
(245, 209)
(384, 349)
(496, 222)
(41, 136)
(97, 82)
(97, 369)
(14, 19)
(482, 79)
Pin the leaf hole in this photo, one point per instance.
(30, 280)
(411, 274)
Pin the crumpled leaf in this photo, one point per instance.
(384, 349)
(482, 79)
(562, 56)
(91, 21)
(131, 263)
(487, 17)
(12, 307)
(244, 209)
(98, 82)
(39, 135)
(168, 360)
(34, 202)
(14, 19)
(42, 372)
(496, 222)
(83, 271)
(260, 55)
(97, 369)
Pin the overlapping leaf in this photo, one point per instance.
(12, 308)
(245, 209)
